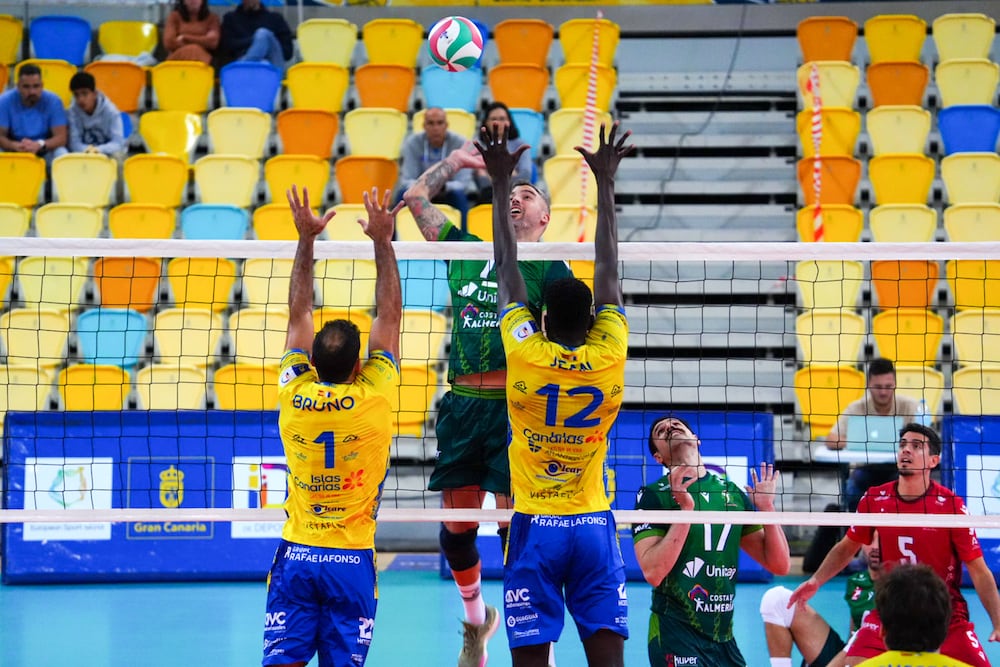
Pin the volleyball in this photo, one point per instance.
(455, 43)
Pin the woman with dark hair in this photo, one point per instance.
(192, 32)
(497, 113)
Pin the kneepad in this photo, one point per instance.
(774, 607)
(459, 548)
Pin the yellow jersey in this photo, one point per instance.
(907, 659)
(336, 439)
(561, 403)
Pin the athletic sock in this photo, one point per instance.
(470, 586)
(781, 662)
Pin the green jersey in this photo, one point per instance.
(700, 589)
(860, 596)
(475, 332)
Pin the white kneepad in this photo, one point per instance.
(774, 607)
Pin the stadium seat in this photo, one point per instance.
(385, 86)
(969, 128)
(461, 122)
(897, 83)
(830, 337)
(899, 178)
(976, 337)
(134, 39)
(308, 132)
(422, 336)
(14, 219)
(305, 171)
(394, 41)
(327, 40)
(187, 336)
(829, 283)
(406, 226)
(531, 128)
(6, 278)
(69, 221)
(201, 282)
(375, 131)
(84, 178)
(451, 90)
(922, 383)
(357, 174)
(974, 283)
(576, 37)
(839, 131)
(123, 82)
(838, 83)
(895, 37)
(274, 222)
(562, 178)
(52, 282)
(35, 337)
(252, 85)
(826, 38)
(898, 129)
(112, 336)
(127, 282)
(55, 76)
(23, 388)
(976, 391)
(239, 131)
(418, 385)
(170, 387)
(4, 75)
(571, 82)
(973, 222)
(319, 86)
(425, 284)
(963, 36)
(908, 336)
(566, 126)
(519, 85)
(207, 222)
(839, 179)
(902, 222)
(243, 386)
(89, 387)
(822, 393)
(60, 38)
(11, 38)
(258, 334)
(266, 281)
(183, 85)
(21, 178)
(971, 178)
(346, 283)
(908, 283)
(967, 81)
(172, 132)
(841, 223)
(524, 40)
(361, 317)
(479, 221)
(344, 226)
(226, 179)
(564, 224)
(156, 179)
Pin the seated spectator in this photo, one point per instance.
(251, 33)
(498, 113)
(192, 32)
(32, 119)
(95, 124)
(421, 150)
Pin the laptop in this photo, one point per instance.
(873, 433)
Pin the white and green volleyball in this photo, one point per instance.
(455, 43)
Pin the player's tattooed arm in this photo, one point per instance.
(418, 196)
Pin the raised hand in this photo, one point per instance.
(381, 223)
(307, 223)
(604, 161)
(681, 477)
(467, 157)
(498, 159)
(765, 487)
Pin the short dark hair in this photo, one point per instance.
(82, 81)
(29, 70)
(652, 427)
(569, 307)
(915, 607)
(336, 350)
(933, 439)
(179, 6)
(512, 133)
(880, 366)
(541, 193)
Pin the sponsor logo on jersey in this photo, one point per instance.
(292, 372)
(693, 567)
(524, 330)
(558, 471)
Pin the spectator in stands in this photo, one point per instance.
(192, 32)
(252, 33)
(32, 119)
(95, 124)
(422, 150)
(498, 113)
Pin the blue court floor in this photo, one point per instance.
(219, 624)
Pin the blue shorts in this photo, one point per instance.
(320, 601)
(559, 562)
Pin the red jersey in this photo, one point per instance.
(943, 549)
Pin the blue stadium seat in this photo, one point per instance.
(111, 336)
(425, 283)
(452, 90)
(61, 38)
(531, 127)
(250, 84)
(969, 128)
(206, 222)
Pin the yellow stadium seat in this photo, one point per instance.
(839, 131)
(830, 337)
(523, 40)
(567, 129)
(361, 317)
(908, 283)
(201, 282)
(976, 337)
(308, 132)
(23, 388)
(826, 37)
(908, 336)
(576, 37)
(972, 222)
(564, 224)
(974, 283)
(123, 82)
(393, 40)
(967, 81)
(479, 221)
(822, 393)
(384, 85)
(141, 221)
(156, 179)
(357, 174)
(35, 336)
(346, 283)
(69, 221)
(901, 178)
(128, 282)
(173, 132)
(921, 383)
(183, 85)
(963, 36)
(239, 131)
(519, 85)
(344, 226)
(304, 171)
(976, 391)
(829, 283)
(55, 76)
(14, 220)
(243, 386)
(839, 177)
(375, 131)
(84, 178)
(21, 178)
(562, 178)
(406, 226)
(422, 336)
(4, 74)
(226, 179)
(52, 282)
(897, 83)
(128, 38)
(898, 129)
(971, 178)
(895, 37)
(841, 223)
(89, 387)
(838, 83)
(6, 277)
(319, 86)
(571, 81)
(327, 41)
(902, 222)
(266, 281)
(170, 387)
(418, 385)
(460, 121)
(11, 39)
(273, 222)
(187, 336)
(259, 334)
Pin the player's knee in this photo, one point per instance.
(774, 607)
(459, 548)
